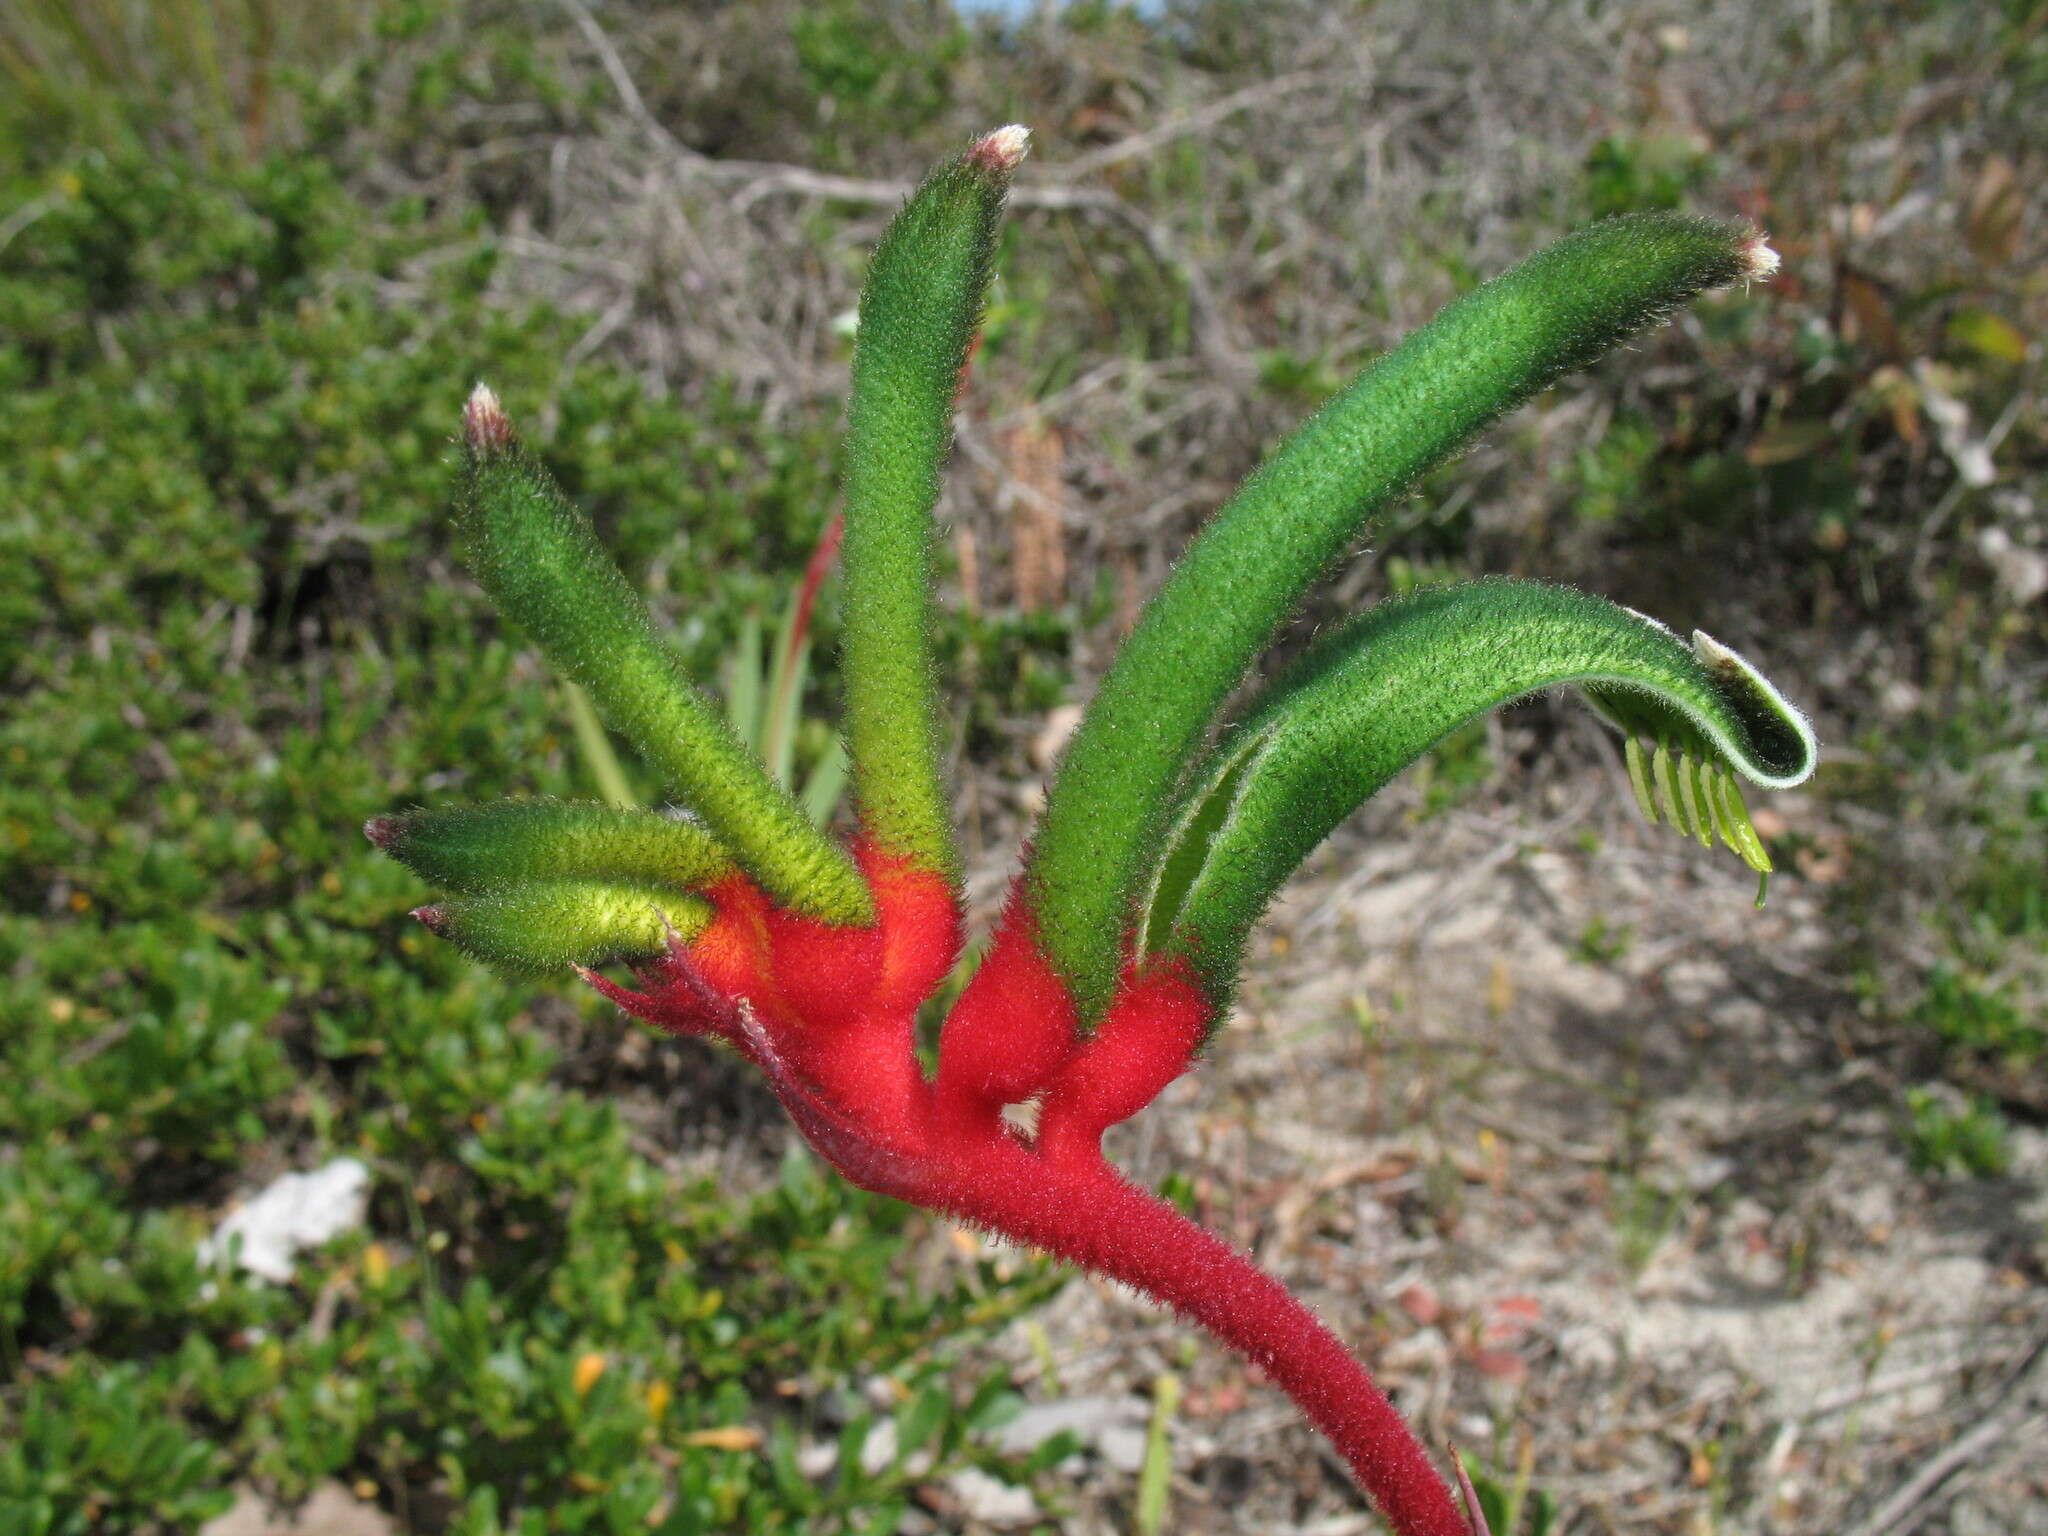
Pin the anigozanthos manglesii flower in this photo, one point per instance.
(1118, 952)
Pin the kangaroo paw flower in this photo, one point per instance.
(1168, 829)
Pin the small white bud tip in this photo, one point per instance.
(1759, 261)
(1713, 655)
(485, 426)
(1002, 151)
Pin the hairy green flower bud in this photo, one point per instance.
(539, 558)
(474, 848)
(550, 926)
(918, 314)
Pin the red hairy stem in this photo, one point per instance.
(1075, 1206)
(1087, 1213)
(1060, 1195)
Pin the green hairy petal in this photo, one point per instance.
(918, 313)
(548, 926)
(1379, 692)
(475, 848)
(540, 560)
(1482, 356)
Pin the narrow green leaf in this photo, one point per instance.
(596, 748)
(1155, 1475)
(475, 848)
(1482, 356)
(918, 312)
(782, 712)
(743, 682)
(546, 927)
(1374, 695)
(540, 560)
(826, 784)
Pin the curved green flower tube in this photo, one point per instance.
(1377, 693)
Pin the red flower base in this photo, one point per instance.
(829, 1013)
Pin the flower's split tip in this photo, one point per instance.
(1474, 1511)
(1715, 656)
(433, 919)
(635, 1005)
(1759, 261)
(1002, 151)
(381, 830)
(485, 426)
